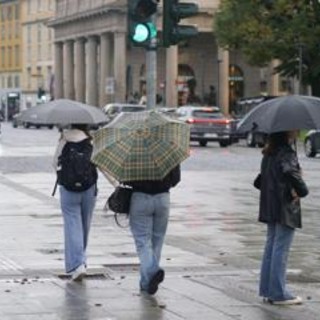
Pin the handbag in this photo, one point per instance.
(119, 200)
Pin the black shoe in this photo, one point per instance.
(157, 278)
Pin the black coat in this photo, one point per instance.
(280, 175)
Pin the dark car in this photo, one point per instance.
(207, 124)
(312, 143)
(243, 106)
(18, 122)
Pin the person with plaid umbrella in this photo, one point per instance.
(144, 150)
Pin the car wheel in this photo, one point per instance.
(308, 148)
(26, 125)
(14, 125)
(250, 140)
(38, 126)
(203, 143)
(50, 127)
(223, 144)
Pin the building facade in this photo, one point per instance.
(10, 57)
(37, 47)
(95, 63)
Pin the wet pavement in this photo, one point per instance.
(211, 255)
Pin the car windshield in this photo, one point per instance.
(207, 114)
(132, 109)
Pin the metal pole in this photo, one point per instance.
(151, 63)
(300, 68)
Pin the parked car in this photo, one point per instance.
(312, 143)
(207, 124)
(18, 122)
(113, 109)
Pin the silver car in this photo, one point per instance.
(113, 109)
(207, 124)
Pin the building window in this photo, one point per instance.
(39, 4)
(9, 57)
(3, 32)
(9, 12)
(29, 34)
(29, 78)
(17, 29)
(39, 32)
(17, 81)
(29, 54)
(29, 6)
(3, 82)
(3, 57)
(9, 82)
(39, 52)
(16, 12)
(3, 13)
(17, 55)
(50, 51)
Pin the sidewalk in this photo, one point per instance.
(211, 258)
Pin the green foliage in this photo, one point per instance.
(273, 29)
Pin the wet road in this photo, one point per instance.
(212, 252)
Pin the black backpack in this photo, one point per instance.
(77, 173)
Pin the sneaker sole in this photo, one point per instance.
(154, 282)
(79, 277)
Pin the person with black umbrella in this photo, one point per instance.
(281, 186)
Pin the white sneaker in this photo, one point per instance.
(293, 301)
(79, 273)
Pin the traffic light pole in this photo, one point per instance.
(151, 70)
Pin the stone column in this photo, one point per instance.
(120, 66)
(80, 71)
(274, 81)
(223, 81)
(106, 58)
(92, 72)
(68, 70)
(171, 76)
(58, 70)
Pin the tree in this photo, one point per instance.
(274, 29)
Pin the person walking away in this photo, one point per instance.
(281, 187)
(149, 214)
(77, 180)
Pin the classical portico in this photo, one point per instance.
(95, 64)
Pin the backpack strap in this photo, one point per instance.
(55, 188)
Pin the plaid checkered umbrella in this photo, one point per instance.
(141, 146)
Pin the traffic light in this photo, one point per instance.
(141, 29)
(173, 12)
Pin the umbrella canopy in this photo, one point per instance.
(286, 113)
(64, 112)
(141, 146)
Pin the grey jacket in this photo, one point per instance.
(281, 176)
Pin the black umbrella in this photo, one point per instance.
(286, 113)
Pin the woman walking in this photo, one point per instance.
(281, 187)
(77, 178)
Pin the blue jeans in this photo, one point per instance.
(149, 216)
(274, 263)
(77, 209)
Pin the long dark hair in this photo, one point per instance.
(274, 141)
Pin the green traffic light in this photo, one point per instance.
(141, 33)
(144, 32)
